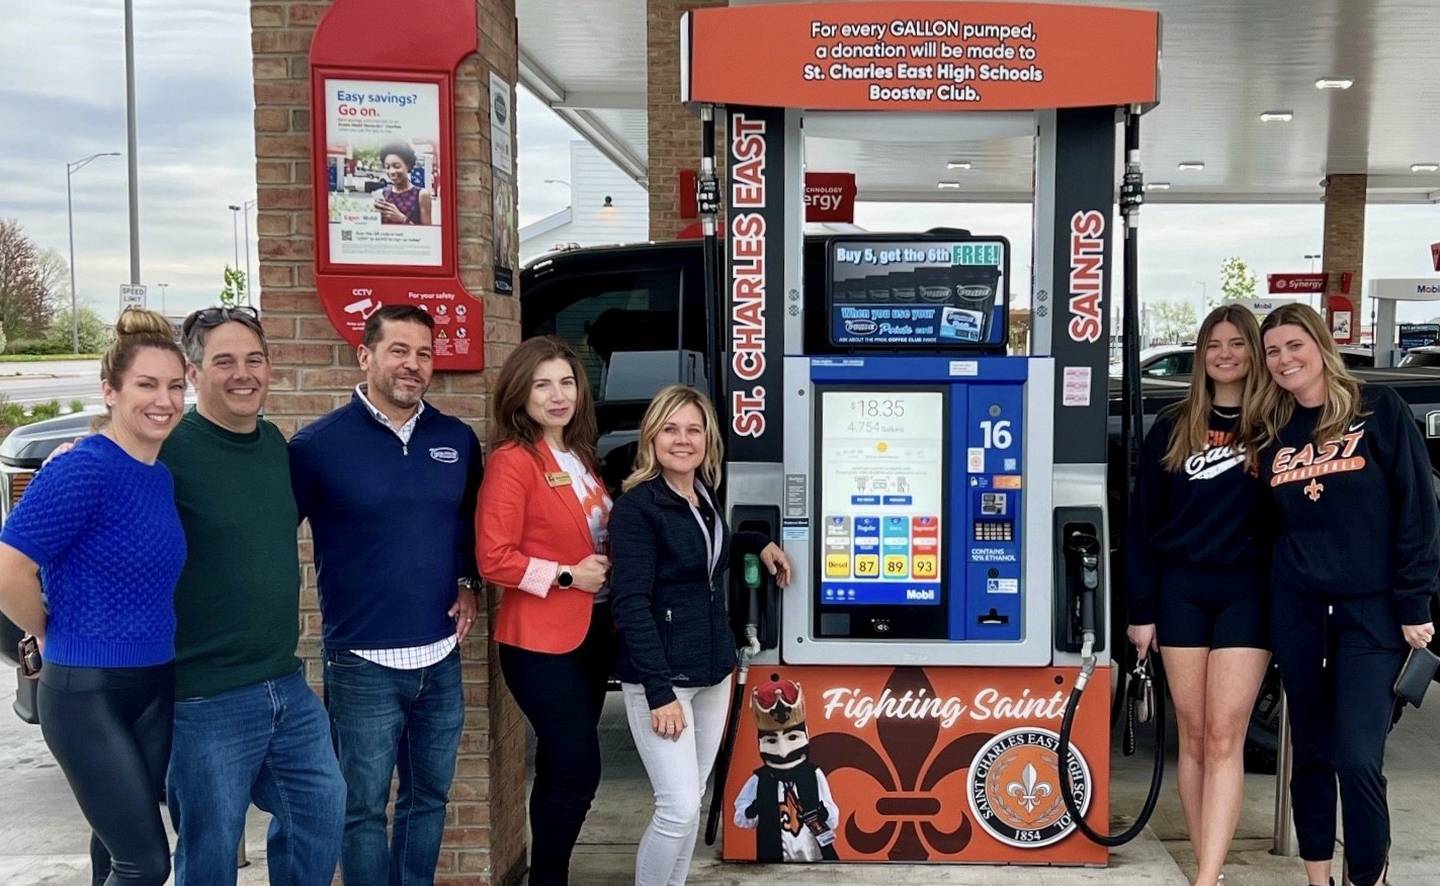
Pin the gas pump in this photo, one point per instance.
(943, 503)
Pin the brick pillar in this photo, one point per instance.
(674, 130)
(1344, 248)
(314, 372)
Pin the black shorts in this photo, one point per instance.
(1212, 607)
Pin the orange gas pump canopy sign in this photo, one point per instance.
(922, 56)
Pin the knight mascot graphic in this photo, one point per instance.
(787, 800)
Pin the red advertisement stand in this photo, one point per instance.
(384, 171)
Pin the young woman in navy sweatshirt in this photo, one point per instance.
(1354, 577)
(100, 527)
(1197, 576)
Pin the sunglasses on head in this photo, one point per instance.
(207, 317)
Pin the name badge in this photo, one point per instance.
(559, 478)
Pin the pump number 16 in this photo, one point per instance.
(997, 434)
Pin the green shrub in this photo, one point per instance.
(37, 346)
(43, 411)
(77, 405)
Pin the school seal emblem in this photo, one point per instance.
(1014, 787)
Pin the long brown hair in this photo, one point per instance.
(1192, 415)
(512, 424)
(666, 403)
(1275, 406)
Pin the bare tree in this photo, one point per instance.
(55, 277)
(24, 300)
(1174, 321)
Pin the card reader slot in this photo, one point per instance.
(993, 617)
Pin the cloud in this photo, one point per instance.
(64, 76)
(62, 94)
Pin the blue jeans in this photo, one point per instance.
(268, 743)
(383, 719)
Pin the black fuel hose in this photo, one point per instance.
(1157, 777)
(722, 761)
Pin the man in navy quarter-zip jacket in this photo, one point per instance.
(388, 484)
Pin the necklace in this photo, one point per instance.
(1224, 414)
(690, 496)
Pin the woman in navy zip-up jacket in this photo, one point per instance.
(669, 546)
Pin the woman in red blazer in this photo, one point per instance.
(541, 530)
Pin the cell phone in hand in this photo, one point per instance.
(28, 654)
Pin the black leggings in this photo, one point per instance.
(1339, 659)
(562, 697)
(109, 729)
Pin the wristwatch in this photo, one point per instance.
(470, 584)
(564, 578)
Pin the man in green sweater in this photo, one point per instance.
(247, 725)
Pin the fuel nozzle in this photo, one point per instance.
(751, 576)
(1084, 547)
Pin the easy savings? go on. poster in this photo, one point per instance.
(383, 156)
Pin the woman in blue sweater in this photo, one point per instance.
(100, 529)
(669, 546)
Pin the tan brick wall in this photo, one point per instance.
(1345, 240)
(315, 372)
(674, 130)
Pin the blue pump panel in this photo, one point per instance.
(919, 490)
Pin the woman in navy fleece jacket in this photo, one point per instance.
(670, 546)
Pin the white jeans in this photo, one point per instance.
(678, 771)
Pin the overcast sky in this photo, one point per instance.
(62, 97)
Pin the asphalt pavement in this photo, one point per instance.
(41, 382)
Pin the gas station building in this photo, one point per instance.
(1258, 103)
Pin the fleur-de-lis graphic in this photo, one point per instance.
(1313, 491)
(908, 803)
(1029, 788)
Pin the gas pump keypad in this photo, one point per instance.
(991, 530)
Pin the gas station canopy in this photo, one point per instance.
(1225, 63)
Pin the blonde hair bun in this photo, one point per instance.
(142, 321)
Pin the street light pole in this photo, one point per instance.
(162, 295)
(133, 156)
(235, 230)
(1312, 257)
(70, 169)
(1204, 298)
(249, 205)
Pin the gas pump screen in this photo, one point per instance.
(946, 293)
(882, 488)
